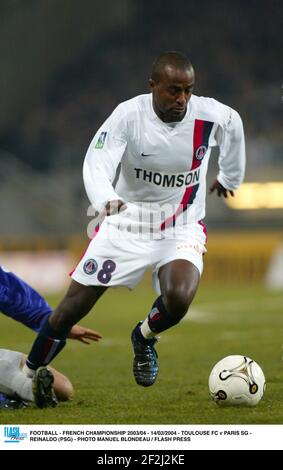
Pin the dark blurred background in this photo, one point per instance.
(66, 64)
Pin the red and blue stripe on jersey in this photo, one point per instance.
(202, 130)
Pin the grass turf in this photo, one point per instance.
(224, 320)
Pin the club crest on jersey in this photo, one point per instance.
(101, 140)
(90, 266)
(200, 152)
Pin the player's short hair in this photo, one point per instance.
(174, 59)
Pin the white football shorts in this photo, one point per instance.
(118, 258)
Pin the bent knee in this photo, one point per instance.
(178, 300)
(63, 388)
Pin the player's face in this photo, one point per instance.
(171, 93)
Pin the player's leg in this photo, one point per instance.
(179, 264)
(114, 260)
(17, 387)
(179, 281)
(9, 370)
(91, 277)
(63, 388)
(51, 339)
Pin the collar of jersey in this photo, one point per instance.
(154, 116)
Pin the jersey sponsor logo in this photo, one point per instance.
(200, 152)
(101, 140)
(90, 266)
(190, 178)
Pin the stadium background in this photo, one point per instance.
(66, 65)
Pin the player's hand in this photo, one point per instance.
(114, 207)
(85, 335)
(221, 191)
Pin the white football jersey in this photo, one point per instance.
(163, 166)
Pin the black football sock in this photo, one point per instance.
(46, 346)
(159, 319)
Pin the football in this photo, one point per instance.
(236, 380)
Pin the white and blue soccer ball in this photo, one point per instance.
(236, 380)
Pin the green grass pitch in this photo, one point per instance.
(224, 320)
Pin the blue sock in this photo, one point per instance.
(159, 319)
(46, 346)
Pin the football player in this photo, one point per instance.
(154, 207)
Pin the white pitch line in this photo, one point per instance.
(238, 303)
(197, 315)
(228, 311)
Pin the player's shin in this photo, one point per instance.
(145, 365)
(45, 348)
(158, 320)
